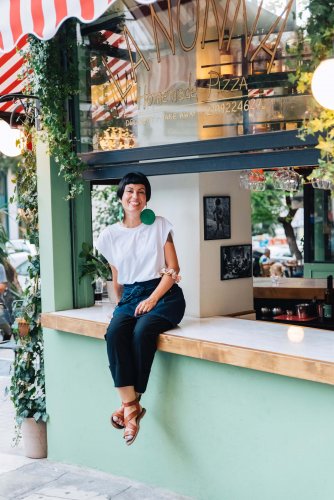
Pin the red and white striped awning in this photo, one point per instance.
(11, 67)
(42, 18)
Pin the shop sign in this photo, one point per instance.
(183, 71)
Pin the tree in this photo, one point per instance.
(8, 163)
(268, 208)
(107, 208)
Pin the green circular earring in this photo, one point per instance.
(147, 216)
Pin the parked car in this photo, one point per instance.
(280, 253)
(20, 245)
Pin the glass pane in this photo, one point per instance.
(185, 71)
(323, 231)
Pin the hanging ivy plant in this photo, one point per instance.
(52, 73)
(27, 387)
(319, 33)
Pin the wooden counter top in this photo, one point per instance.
(250, 344)
(289, 288)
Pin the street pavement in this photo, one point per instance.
(23, 478)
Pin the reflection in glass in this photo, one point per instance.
(286, 179)
(254, 180)
(319, 183)
(169, 73)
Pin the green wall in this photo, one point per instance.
(211, 431)
(318, 270)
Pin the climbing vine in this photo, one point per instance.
(27, 388)
(319, 34)
(52, 75)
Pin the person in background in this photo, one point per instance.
(218, 215)
(265, 262)
(145, 268)
(4, 316)
(278, 269)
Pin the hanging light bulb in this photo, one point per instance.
(11, 140)
(322, 83)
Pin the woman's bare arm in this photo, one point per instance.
(118, 289)
(166, 281)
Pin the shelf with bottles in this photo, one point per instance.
(286, 311)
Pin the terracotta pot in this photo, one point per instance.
(23, 327)
(34, 438)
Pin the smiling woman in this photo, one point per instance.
(145, 274)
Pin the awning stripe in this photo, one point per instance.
(13, 70)
(43, 17)
(37, 18)
(7, 37)
(61, 11)
(9, 55)
(11, 66)
(87, 9)
(15, 18)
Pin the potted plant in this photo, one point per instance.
(27, 385)
(27, 388)
(95, 266)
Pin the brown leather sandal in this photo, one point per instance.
(120, 415)
(130, 428)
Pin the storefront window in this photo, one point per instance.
(322, 221)
(185, 71)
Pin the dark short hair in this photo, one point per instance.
(134, 178)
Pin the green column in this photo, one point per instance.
(63, 226)
(81, 216)
(54, 231)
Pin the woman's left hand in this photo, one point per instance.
(145, 306)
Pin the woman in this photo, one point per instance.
(145, 269)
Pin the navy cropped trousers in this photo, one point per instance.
(132, 340)
(131, 346)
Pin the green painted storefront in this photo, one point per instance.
(212, 431)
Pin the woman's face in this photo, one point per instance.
(134, 198)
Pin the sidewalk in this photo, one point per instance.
(23, 478)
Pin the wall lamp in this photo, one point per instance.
(12, 138)
(322, 83)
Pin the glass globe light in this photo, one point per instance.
(295, 334)
(10, 140)
(322, 83)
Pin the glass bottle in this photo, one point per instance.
(329, 299)
(98, 290)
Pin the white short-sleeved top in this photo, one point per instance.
(137, 253)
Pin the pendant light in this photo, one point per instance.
(322, 83)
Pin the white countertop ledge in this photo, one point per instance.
(221, 339)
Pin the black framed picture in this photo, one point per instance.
(235, 262)
(217, 217)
